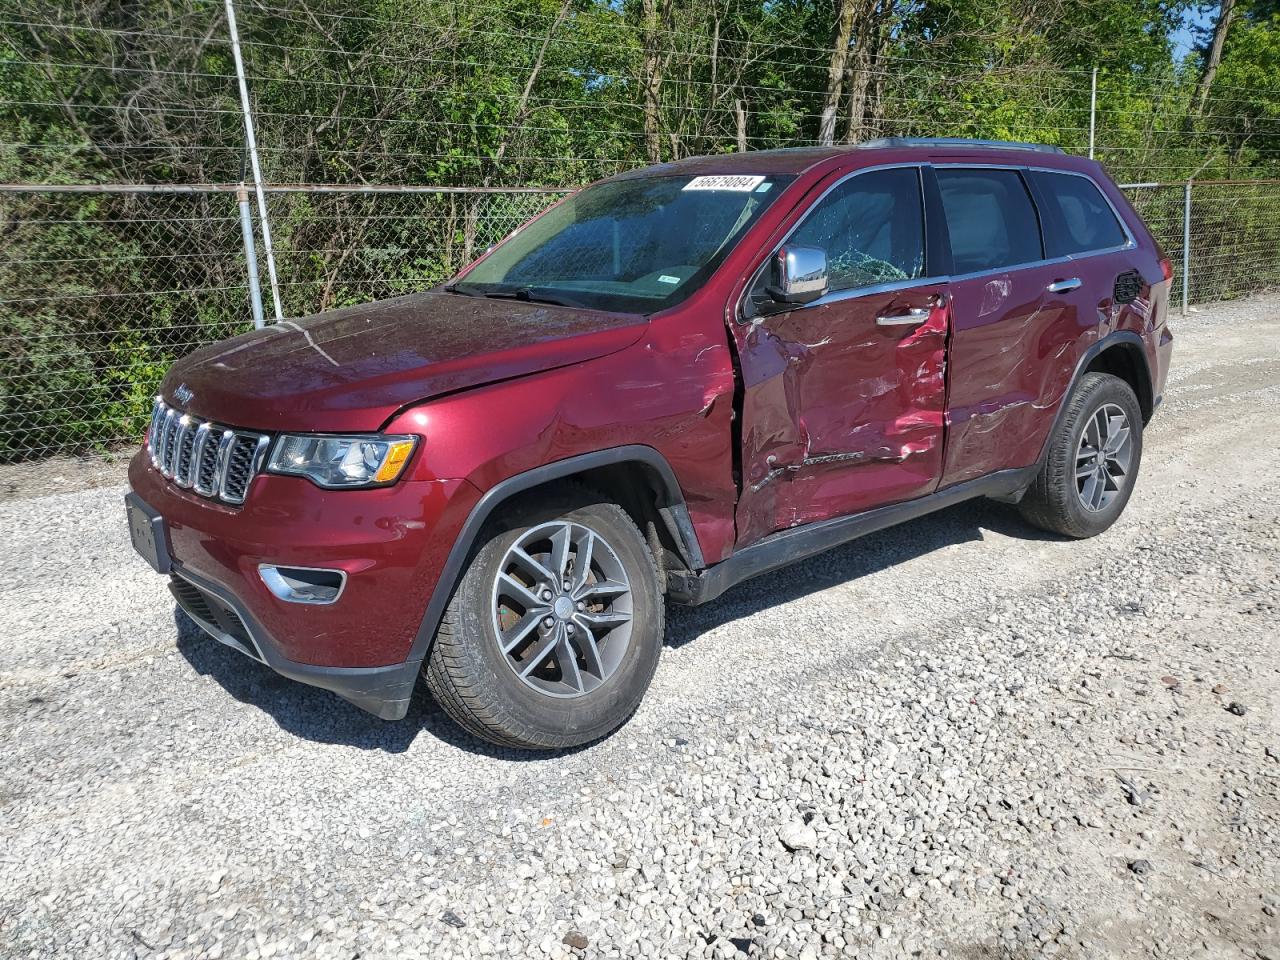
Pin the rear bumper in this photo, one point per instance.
(383, 691)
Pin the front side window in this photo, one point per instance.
(990, 219)
(640, 244)
(871, 227)
(1082, 219)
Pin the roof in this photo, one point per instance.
(796, 160)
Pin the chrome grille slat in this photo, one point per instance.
(183, 449)
(213, 461)
(166, 442)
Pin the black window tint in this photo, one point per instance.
(872, 228)
(990, 219)
(1080, 218)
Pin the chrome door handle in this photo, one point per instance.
(910, 318)
(1062, 286)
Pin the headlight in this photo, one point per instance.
(368, 460)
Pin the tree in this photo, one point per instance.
(1221, 27)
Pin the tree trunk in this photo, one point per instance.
(657, 19)
(1226, 10)
(835, 73)
(740, 119)
(868, 39)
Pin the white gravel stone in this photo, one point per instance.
(929, 741)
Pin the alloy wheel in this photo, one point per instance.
(1103, 457)
(562, 609)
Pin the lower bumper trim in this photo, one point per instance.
(383, 691)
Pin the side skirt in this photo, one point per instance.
(789, 546)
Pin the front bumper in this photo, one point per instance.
(390, 543)
(383, 691)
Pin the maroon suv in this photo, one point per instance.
(671, 381)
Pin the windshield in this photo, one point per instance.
(635, 245)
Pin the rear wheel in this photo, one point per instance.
(553, 634)
(1092, 460)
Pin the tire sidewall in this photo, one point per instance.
(1096, 390)
(552, 719)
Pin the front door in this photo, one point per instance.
(844, 398)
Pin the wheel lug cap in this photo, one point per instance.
(581, 605)
(568, 628)
(548, 622)
(546, 594)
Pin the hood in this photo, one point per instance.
(351, 369)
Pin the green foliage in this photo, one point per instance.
(101, 293)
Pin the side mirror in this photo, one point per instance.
(799, 275)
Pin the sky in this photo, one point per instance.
(1187, 36)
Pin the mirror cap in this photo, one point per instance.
(799, 275)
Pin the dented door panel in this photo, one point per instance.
(1010, 341)
(840, 414)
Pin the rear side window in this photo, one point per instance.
(990, 219)
(1079, 217)
(872, 228)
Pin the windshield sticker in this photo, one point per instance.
(667, 278)
(725, 181)
(764, 188)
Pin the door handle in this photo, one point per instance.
(1062, 286)
(911, 317)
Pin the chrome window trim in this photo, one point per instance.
(837, 295)
(1129, 244)
(873, 289)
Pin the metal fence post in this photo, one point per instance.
(250, 256)
(1186, 245)
(252, 144)
(1093, 109)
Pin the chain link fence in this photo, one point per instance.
(1233, 229)
(122, 133)
(102, 291)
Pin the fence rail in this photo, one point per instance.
(106, 285)
(128, 236)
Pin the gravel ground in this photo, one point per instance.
(958, 738)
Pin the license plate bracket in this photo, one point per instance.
(148, 532)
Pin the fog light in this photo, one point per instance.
(303, 584)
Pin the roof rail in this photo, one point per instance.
(962, 142)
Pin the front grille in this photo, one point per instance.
(214, 461)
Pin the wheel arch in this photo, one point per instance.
(1125, 358)
(1122, 350)
(637, 477)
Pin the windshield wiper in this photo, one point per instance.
(532, 295)
(454, 288)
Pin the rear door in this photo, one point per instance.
(843, 398)
(1008, 327)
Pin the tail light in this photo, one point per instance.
(1166, 268)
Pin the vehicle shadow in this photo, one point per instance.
(325, 718)
(878, 551)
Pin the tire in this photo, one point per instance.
(562, 701)
(1061, 501)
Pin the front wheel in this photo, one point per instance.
(553, 634)
(1092, 460)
